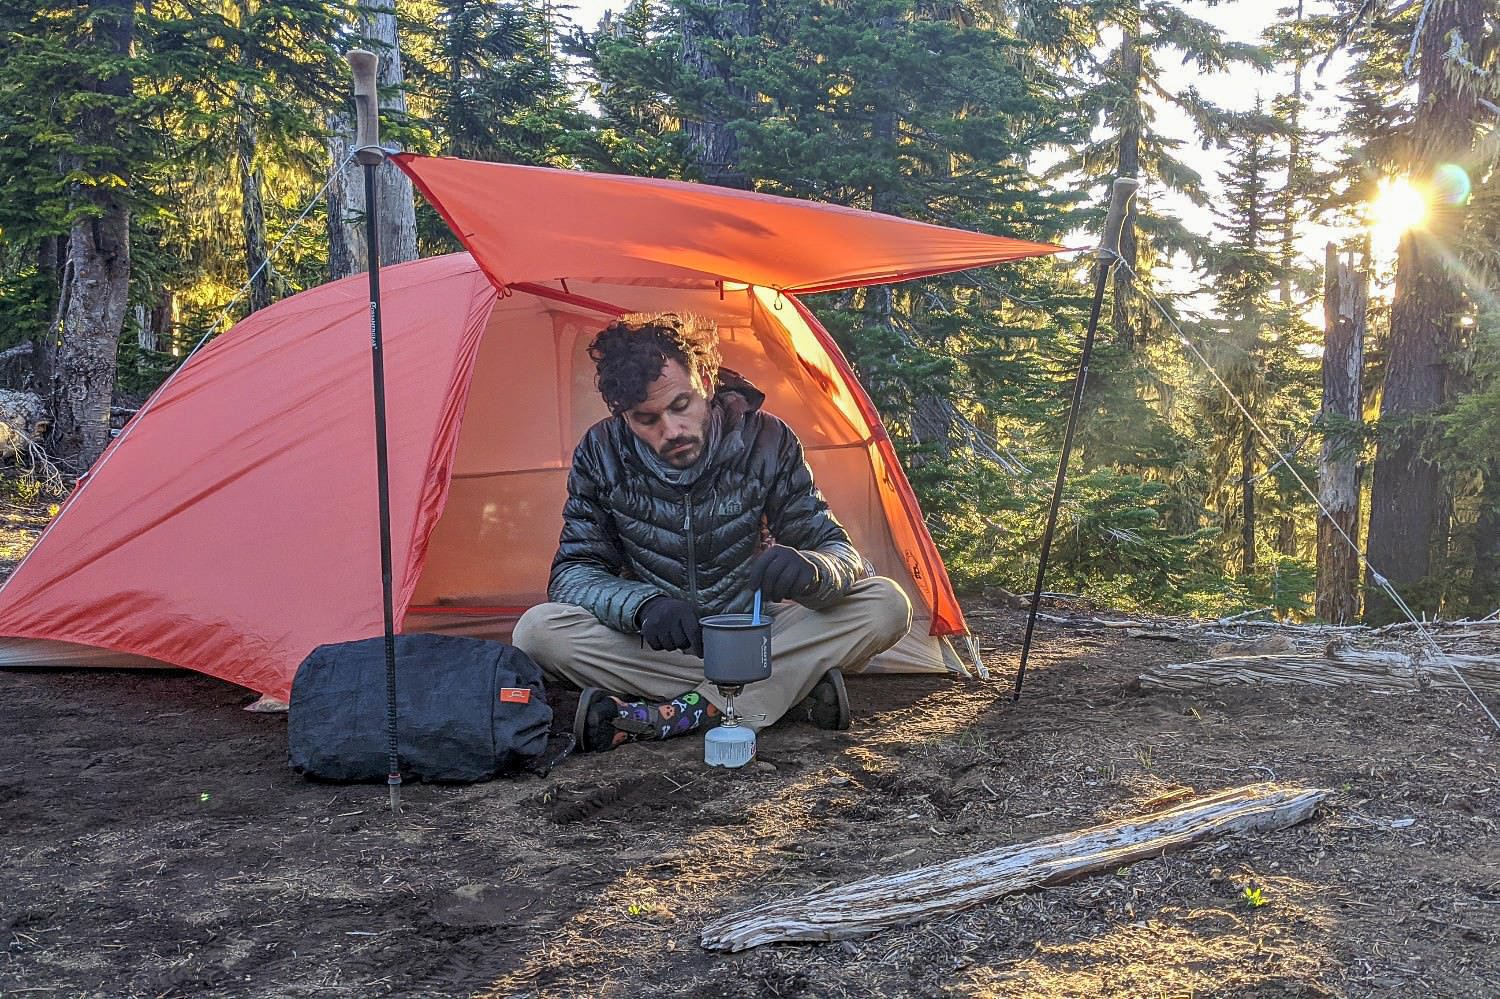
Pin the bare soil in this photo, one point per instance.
(154, 843)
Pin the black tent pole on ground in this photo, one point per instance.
(1109, 252)
(369, 154)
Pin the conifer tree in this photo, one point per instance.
(241, 89)
(889, 105)
(96, 272)
(1132, 421)
(487, 85)
(632, 65)
(1123, 92)
(1470, 450)
(71, 131)
(1292, 43)
(1246, 273)
(1409, 512)
(1255, 352)
(711, 32)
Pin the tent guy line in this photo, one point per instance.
(135, 420)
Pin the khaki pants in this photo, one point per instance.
(568, 641)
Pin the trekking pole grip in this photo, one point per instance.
(364, 65)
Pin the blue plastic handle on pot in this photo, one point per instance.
(755, 618)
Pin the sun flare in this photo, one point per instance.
(1398, 206)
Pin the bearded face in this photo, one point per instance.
(673, 418)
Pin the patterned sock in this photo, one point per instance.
(664, 719)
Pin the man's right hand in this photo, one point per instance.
(669, 624)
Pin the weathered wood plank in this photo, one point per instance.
(884, 901)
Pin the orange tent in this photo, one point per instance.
(232, 527)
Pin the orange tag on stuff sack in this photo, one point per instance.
(515, 695)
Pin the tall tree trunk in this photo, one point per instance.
(158, 336)
(1344, 300)
(1286, 536)
(1484, 587)
(252, 209)
(95, 282)
(714, 147)
(1407, 508)
(1286, 526)
(1247, 500)
(51, 261)
(346, 197)
(346, 201)
(96, 272)
(1129, 166)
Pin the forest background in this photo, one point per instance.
(1326, 242)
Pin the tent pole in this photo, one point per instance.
(1109, 252)
(370, 155)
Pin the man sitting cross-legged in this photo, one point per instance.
(684, 503)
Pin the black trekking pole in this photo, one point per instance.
(369, 154)
(1109, 252)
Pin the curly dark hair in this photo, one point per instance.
(628, 355)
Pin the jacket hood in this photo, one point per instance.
(732, 384)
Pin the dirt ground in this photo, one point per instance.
(154, 843)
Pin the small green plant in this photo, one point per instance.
(636, 909)
(28, 490)
(1253, 896)
(203, 797)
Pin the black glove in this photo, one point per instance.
(669, 624)
(782, 573)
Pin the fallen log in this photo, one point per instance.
(1481, 672)
(1370, 669)
(883, 901)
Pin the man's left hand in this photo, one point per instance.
(782, 573)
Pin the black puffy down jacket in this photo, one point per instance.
(628, 535)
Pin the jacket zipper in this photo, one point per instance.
(692, 550)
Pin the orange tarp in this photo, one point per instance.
(538, 224)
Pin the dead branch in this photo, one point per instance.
(883, 901)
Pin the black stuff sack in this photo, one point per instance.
(466, 709)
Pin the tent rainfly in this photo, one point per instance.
(230, 528)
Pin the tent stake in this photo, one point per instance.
(370, 155)
(1109, 252)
